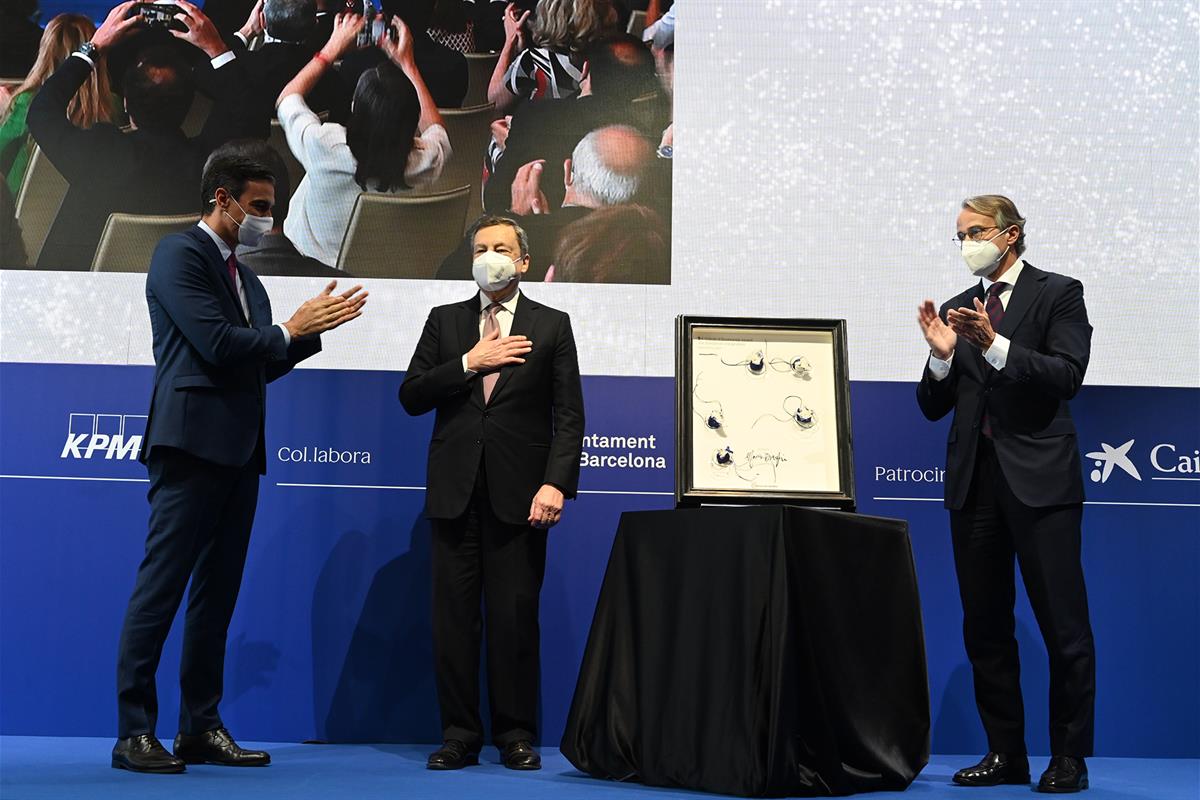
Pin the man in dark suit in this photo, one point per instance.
(288, 27)
(153, 169)
(215, 349)
(500, 371)
(1006, 356)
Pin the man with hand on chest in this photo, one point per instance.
(1006, 356)
(215, 349)
(501, 373)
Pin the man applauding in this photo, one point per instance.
(215, 349)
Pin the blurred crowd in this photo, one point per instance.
(351, 97)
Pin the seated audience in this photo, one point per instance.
(608, 167)
(275, 254)
(553, 66)
(285, 26)
(151, 170)
(618, 244)
(619, 69)
(91, 104)
(394, 139)
(444, 70)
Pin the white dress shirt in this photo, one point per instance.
(504, 318)
(241, 289)
(997, 354)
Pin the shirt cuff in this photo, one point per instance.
(91, 63)
(223, 59)
(997, 354)
(469, 372)
(938, 368)
(241, 37)
(287, 336)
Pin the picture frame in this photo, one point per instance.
(762, 412)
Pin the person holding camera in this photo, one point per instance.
(154, 168)
(394, 139)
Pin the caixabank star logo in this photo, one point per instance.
(1165, 461)
(104, 436)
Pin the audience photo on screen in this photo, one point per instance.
(452, 25)
(152, 168)
(618, 244)
(19, 37)
(284, 26)
(92, 103)
(275, 254)
(12, 246)
(393, 141)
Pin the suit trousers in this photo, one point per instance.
(200, 519)
(474, 557)
(990, 530)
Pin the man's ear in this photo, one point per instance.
(568, 175)
(524, 265)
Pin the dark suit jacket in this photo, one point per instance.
(211, 364)
(530, 434)
(142, 172)
(1026, 402)
(276, 255)
(264, 72)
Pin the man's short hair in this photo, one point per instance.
(598, 177)
(231, 166)
(491, 221)
(158, 89)
(290, 20)
(1002, 211)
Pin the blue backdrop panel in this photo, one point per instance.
(331, 637)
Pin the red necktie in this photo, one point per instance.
(489, 325)
(231, 264)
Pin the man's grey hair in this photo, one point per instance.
(598, 180)
(290, 20)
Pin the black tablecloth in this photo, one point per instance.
(755, 651)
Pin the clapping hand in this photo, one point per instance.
(973, 325)
(940, 337)
(327, 311)
(514, 25)
(527, 194)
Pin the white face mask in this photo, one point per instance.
(251, 229)
(493, 271)
(982, 257)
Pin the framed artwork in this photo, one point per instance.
(762, 412)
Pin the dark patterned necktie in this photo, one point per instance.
(995, 312)
(231, 265)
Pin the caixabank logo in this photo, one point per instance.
(1161, 461)
(111, 437)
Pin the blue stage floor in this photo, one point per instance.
(35, 767)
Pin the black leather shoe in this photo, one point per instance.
(521, 755)
(1065, 775)
(217, 747)
(995, 769)
(452, 755)
(144, 753)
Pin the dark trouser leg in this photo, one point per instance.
(184, 491)
(214, 591)
(983, 560)
(1048, 550)
(457, 627)
(514, 563)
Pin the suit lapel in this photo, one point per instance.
(467, 320)
(1024, 292)
(217, 266)
(522, 325)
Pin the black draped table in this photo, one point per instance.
(755, 651)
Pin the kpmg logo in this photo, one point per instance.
(108, 436)
(1165, 459)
